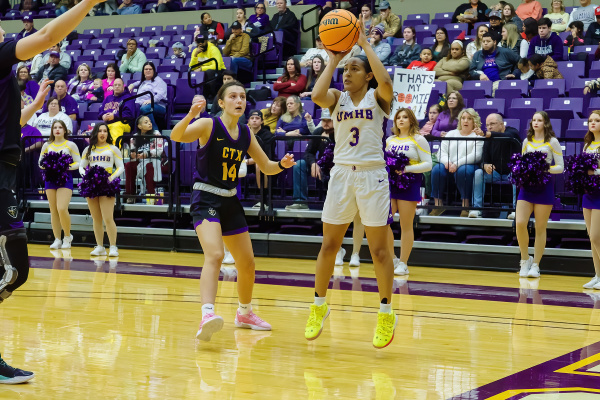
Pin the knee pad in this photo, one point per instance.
(9, 273)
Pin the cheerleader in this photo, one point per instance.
(59, 194)
(591, 202)
(217, 212)
(359, 180)
(407, 140)
(101, 152)
(540, 137)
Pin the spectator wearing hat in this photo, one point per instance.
(493, 63)
(471, 12)
(530, 9)
(177, 51)
(546, 43)
(67, 103)
(238, 48)
(318, 50)
(315, 149)
(496, 24)
(593, 33)
(53, 70)
(285, 20)
(585, 13)
(127, 7)
(64, 58)
(382, 48)
(28, 28)
(134, 59)
(205, 50)
(389, 20)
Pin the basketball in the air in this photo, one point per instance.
(339, 30)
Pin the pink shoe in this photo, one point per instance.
(209, 325)
(251, 321)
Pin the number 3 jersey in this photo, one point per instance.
(358, 131)
(218, 161)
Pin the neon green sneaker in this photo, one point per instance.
(314, 326)
(384, 333)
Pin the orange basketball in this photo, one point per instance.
(339, 30)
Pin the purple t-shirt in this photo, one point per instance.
(68, 105)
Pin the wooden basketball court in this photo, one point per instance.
(125, 329)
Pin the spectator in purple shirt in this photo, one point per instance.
(151, 82)
(259, 21)
(546, 43)
(28, 28)
(67, 104)
(448, 118)
(82, 84)
(292, 123)
(110, 112)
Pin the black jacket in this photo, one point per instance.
(55, 73)
(593, 34)
(498, 152)
(266, 140)
(316, 146)
(481, 9)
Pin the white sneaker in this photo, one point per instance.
(257, 205)
(228, 259)
(56, 244)
(400, 268)
(98, 251)
(355, 260)
(339, 258)
(511, 216)
(525, 266)
(590, 285)
(596, 286)
(66, 243)
(114, 251)
(474, 214)
(534, 271)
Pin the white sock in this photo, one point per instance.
(208, 309)
(319, 301)
(385, 308)
(245, 309)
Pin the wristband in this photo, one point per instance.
(281, 166)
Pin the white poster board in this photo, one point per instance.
(412, 89)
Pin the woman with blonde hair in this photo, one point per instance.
(459, 158)
(540, 137)
(81, 84)
(454, 68)
(475, 45)
(292, 123)
(272, 114)
(591, 202)
(511, 39)
(407, 141)
(558, 16)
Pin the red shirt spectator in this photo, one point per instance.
(292, 81)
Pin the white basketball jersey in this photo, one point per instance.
(358, 131)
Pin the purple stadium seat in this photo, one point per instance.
(112, 52)
(309, 107)
(152, 31)
(73, 53)
(47, 14)
(524, 108)
(93, 32)
(103, 63)
(425, 31)
(160, 51)
(136, 76)
(459, 26)
(428, 41)
(548, 89)
(192, 6)
(114, 46)
(143, 41)
(476, 89)
(496, 104)
(513, 123)
(423, 17)
(131, 32)
(577, 128)
(81, 42)
(412, 22)
(95, 53)
(101, 41)
(164, 39)
(571, 70)
(440, 86)
(107, 57)
(184, 94)
(594, 104)
(173, 29)
(567, 103)
(511, 89)
(169, 77)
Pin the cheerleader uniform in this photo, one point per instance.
(66, 147)
(216, 178)
(416, 149)
(553, 151)
(106, 157)
(592, 201)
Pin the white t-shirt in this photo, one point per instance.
(586, 14)
(44, 122)
(461, 152)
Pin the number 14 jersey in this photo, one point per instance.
(358, 131)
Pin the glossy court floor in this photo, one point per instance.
(125, 329)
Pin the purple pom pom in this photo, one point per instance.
(397, 162)
(95, 183)
(529, 170)
(326, 159)
(578, 180)
(55, 167)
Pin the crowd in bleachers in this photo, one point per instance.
(499, 59)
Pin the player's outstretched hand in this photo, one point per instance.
(42, 92)
(197, 107)
(362, 37)
(335, 57)
(288, 161)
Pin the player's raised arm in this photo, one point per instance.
(321, 93)
(183, 132)
(55, 31)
